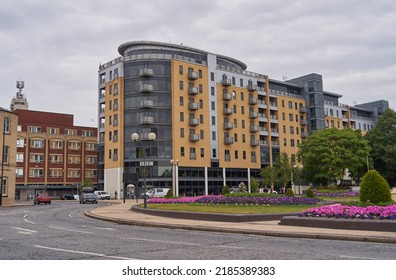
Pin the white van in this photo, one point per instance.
(102, 195)
(157, 192)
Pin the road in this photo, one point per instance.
(61, 231)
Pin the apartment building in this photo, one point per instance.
(52, 154)
(215, 123)
(8, 138)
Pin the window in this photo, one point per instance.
(200, 88)
(291, 117)
(243, 123)
(115, 154)
(284, 142)
(19, 172)
(181, 101)
(115, 105)
(74, 145)
(87, 133)
(6, 151)
(110, 104)
(115, 120)
(212, 77)
(242, 110)
(74, 160)
(213, 135)
(115, 136)
(292, 143)
(290, 104)
(213, 105)
(244, 154)
(243, 138)
(201, 134)
(7, 125)
(212, 91)
(35, 129)
(180, 69)
(182, 152)
(181, 85)
(91, 160)
(201, 103)
(38, 144)
(36, 172)
(73, 173)
(202, 150)
(19, 157)
(115, 89)
(56, 158)
(20, 143)
(90, 146)
(181, 132)
(70, 132)
(4, 186)
(236, 154)
(291, 129)
(52, 130)
(242, 96)
(283, 103)
(214, 153)
(36, 158)
(200, 73)
(283, 116)
(213, 120)
(241, 83)
(91, 173)
(55, 173)
(201, 119)
(233, 81)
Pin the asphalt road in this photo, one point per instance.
(60, 231)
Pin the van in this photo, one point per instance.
(157, 192)
(102, 195)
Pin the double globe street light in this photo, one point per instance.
(135, 137)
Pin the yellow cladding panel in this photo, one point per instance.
(333, 122)
(114, 123)
(190, 114)
(290, 126)
(238, 133)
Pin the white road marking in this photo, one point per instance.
(163, 241)
(72, 230)
(81, 252)
(357, 257)
(98, 227)
(230, 247)
(24, 230)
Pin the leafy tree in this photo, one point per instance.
(269, 176)
(283, 169)
(327, 153)
(381, 139)
(225, 190)
(254, 185)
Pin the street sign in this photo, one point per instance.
(146, 163)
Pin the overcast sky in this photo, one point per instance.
(56, 46)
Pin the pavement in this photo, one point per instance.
(119, 212)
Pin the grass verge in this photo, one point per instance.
(231, 209)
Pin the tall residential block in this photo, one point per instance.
(216, 124)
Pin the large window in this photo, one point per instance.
(36, 143)
(6, 151)
(7, 125)
(4, 186)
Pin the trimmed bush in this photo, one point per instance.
(310, 193)
(289, 192)
(169, 194)
(225, 190)
(374, 188)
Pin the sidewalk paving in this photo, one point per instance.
(121, 213)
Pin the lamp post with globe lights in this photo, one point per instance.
(175, 176)
(151, 137)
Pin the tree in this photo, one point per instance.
(254, 184)
(327, 153)
(269, 176)
(283, 169)
(374, 188)
(381, 139)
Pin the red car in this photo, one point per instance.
(42, 198)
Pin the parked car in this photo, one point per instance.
(156, 192)
(67, 196)
(102, 195)
(88, 197)
(42, 198)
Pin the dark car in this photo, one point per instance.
(67, 196)
(42, 198)
(88, 197)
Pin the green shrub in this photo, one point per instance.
(254, 184)
(310, 193)
(169, 194)
(374, 188)
(289, 192)
(225, 190)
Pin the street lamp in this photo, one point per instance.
(175, 176)
(135, 137)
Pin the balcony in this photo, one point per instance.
(193, 122)
(226, 96)
(303, 109)
(228, 126)
(252, 101)
(193, 156)
(193, 90)
(227, 111)
(252, 87)
(146, 72)
(192, 106)
(226, 82)
(194, 137)
(253, 115)
(304, 134)
(304, 122)
(146, 88)
(228, 140)
(254, 142)
(146, 120)
(254, 128)
(227, 158)
(192, 75)
(146, 104)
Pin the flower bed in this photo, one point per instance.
(351, 212)
(335, 194)
(221, 199)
